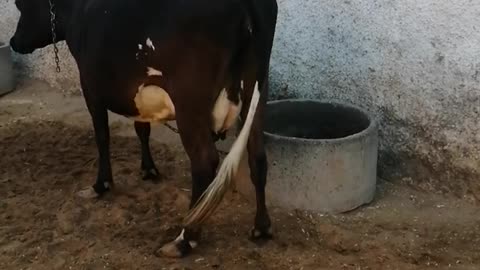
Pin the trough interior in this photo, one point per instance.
(314, 120)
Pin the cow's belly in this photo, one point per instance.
(153, 104)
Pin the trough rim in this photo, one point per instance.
(372, 127)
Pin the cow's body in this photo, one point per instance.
(193, 61)
(116, 42)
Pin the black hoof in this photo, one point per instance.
(261, 234)
(102, 188)
(150, 174)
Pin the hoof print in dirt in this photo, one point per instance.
(88, 193)
(176, 249)
(92, 193)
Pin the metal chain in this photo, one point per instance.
(54, 34)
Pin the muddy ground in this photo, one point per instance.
(48, 153)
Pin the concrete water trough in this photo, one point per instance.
(7, 79)
(322, 156)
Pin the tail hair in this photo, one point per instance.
(213, 195)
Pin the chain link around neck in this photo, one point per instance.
(54, 33)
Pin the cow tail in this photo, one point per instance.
(215, 192)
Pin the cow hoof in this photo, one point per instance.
(95, 191)
(150, 174)
(261, 234)
(176, 249)
(88, 193)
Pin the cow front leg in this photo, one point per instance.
(104, 180)
(204, 160)
(149, 170)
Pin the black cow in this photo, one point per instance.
(203, 63)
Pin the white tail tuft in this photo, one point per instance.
(213, 195)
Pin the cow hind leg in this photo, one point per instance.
(104, 180)
(204, 160)
(257, 160)
(149, 170)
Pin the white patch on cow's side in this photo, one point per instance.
(224, 112)
(241, 84)
(153, 72)
(154, 105)
(140, 46)
(193, 244)
(150, 44)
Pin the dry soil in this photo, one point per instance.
(48, 154)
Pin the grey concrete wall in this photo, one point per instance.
(415, 63)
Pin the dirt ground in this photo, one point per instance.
(48, 153)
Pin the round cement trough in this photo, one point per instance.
(6, 69)
(322, 156)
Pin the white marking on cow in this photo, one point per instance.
(150, 44)
(225, 112)
(140, 46)
(153, 72)
(220, 110)
(241, 84)
(181, 237)
(249, 27)
(154, 105)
